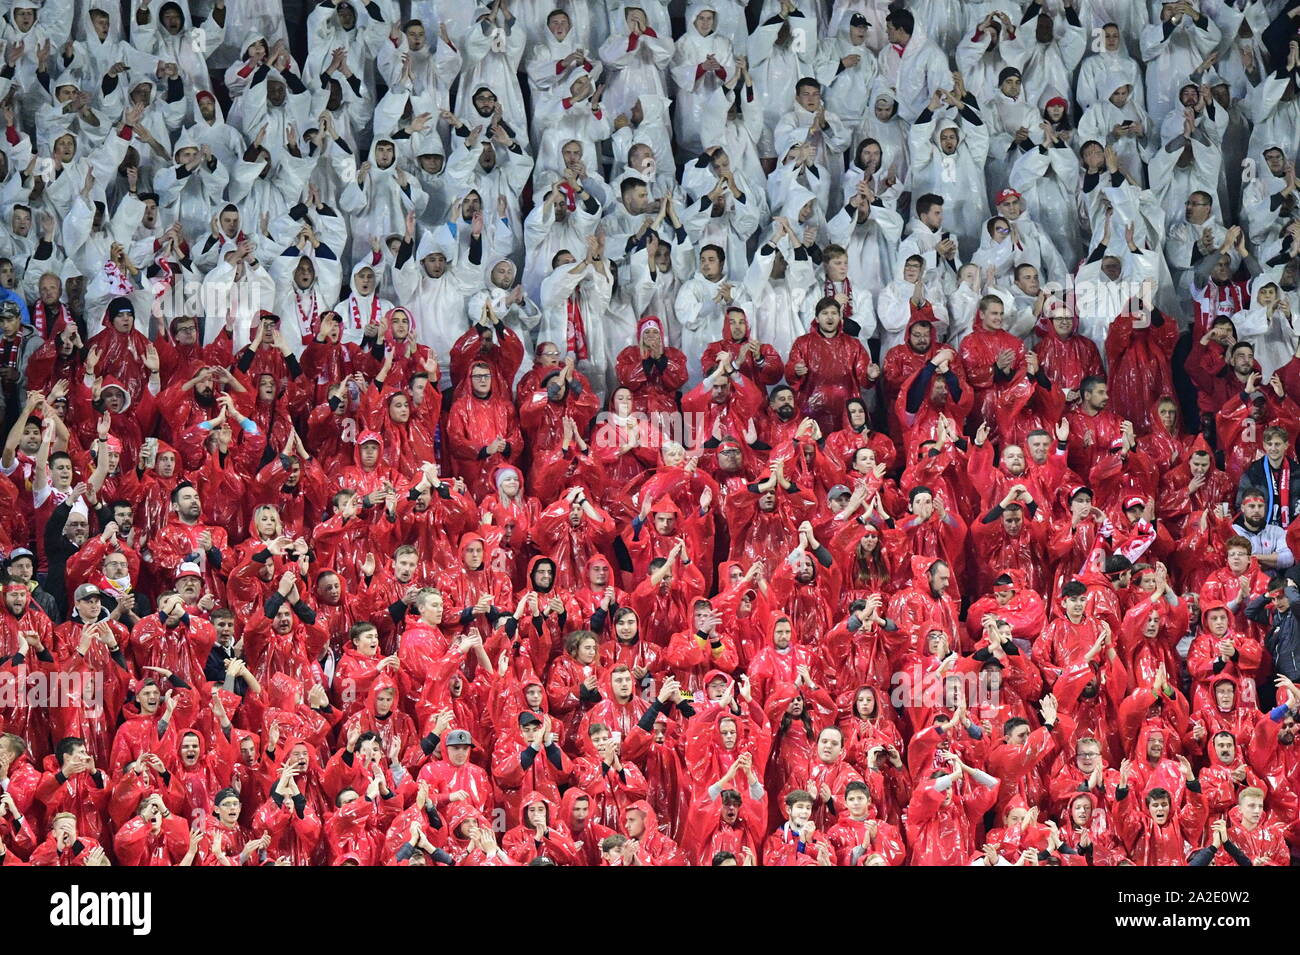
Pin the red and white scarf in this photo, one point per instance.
(45, 324)
(307, 322)
(356, 311)
(575, 331)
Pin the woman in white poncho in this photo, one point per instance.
(1047, 178)
(701, 64)
(882, 123)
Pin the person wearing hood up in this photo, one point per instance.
(726, 209)
(945, 811)
(701, 63)
(538, 835)
(1154, 829)
(1174, 43)
(380, 197)
(574, 298)
(190, 188)
(646, 844)
(636, 54)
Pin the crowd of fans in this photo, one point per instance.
(904, 473)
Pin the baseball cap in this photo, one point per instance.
(86, 591)
(189, 569)
(460, 738)
(837, 491)
(1081, 489)
(20, 552)
(367, 436)
(1005, 195)
(528, 717)
(1134, 501)
(858, 20)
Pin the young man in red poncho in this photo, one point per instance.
(827, 366)
(1155, 830)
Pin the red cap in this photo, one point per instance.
(1134, 501)
(1004, 195)
(366, 436)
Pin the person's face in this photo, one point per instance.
(705, 22)
(1197, 207)
(537, 810)
(800, 813)
(1243, 361)
(621, 683)
(435, 264)
(664, 524)
(1275, 447)
(993, 316)
(367, 642)
(365, 280)
(559, 25)
(940, 577)
(809, 97)
(77, 529)
(783, 404)
(304, 273)
(727, 730)
(1252, 810)
(1253, 509)
(61, 470)
(189, 749)
(543, 575)
(625, 627)
(225, 627)
(509, 481)
(485, 101)
(1168, 412)
(283, 621)
(384, 154)
(480, 379)
(1159, 810)
(651, 338)
(1027, 280)
(1019, 735)
(1098, 398)
(634, 822)
(228, 810)
(229, 222)
(9, 324)
(828, 320)
(21, 568)
(829, 745)
(22, 222)
(716, 688)
(16, 601)
(1013, 521)
(187, 503)
(473, 554)
(948, 141)
(415, 36)
(710, 265)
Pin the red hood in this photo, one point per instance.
(571, 795)
(1046, 329)
(651, 821)
(532, 565)
(534, 797)
(466, 539)
(362, 438)
(282, 691)
(651, 321)
(920, 573)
